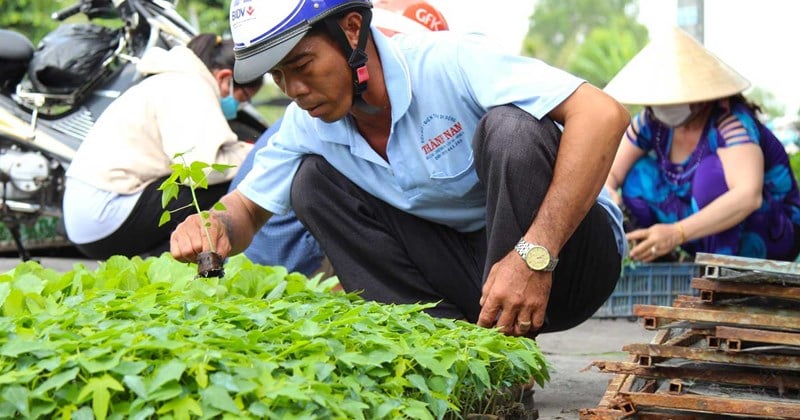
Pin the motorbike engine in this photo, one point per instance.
(22, 173)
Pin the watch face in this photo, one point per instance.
(538, 258)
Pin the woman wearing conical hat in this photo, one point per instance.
(696, 168)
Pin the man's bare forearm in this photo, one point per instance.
(241, 219)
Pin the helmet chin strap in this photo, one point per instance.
(357, 58)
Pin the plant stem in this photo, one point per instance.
(202, 222)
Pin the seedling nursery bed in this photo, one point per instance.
(145, 338)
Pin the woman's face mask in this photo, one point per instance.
(229, 104)
(673, 115)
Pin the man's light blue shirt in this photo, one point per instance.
(440, 84)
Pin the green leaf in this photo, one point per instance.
(100, 399)
(141, 413)
(198, 174)
(19, 397)
(221, 167)
(170, 192)
(7, 410)
(83, 413)
(219, 206)
(166, 216)
(277, 291)
(128, 367)
(418, 410)
(136, 384)
(218, 397)
(42, 409)
(353, 408)
(29, 283)
(99, 390)
(182, 408)
(426, 357)
(477, 368)
(170, 371)
(56, 381)
(171, 179)
(101, 363)
(182, 172)
(180, 154)
(5, 290)
(166, 392)
(308, 328)
(17, 346)
(198, 167)
(259, 409)
(418, 382)
(201, 375)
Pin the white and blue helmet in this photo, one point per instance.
(264, 31)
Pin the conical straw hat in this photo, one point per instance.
(674, 69)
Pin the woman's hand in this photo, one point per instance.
(655, 241)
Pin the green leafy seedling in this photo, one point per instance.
(194, 176)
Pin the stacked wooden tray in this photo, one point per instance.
(732, 350)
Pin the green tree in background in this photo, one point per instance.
(206, 15)
(765, 99)
(592, 38)
(30, 17)
(603, 54)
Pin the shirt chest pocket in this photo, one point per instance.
(457, 181)
(448, 162)
(456, 186)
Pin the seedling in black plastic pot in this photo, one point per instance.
(194, 176)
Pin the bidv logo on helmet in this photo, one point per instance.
(241, 11)
(252, 20)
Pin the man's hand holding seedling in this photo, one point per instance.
(229, 231)
(204, 236)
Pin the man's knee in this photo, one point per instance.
(509, 121)
(511, 141)
(511, 132)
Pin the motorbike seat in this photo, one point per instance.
(15, 54)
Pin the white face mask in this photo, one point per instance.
(673, 115)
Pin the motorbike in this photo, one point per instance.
(49, 100)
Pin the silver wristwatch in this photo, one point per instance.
(537, 257)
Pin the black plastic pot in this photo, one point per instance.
(209, 264)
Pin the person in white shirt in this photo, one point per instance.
(112, 204)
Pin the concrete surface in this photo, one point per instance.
(572, 386)
(57, 264)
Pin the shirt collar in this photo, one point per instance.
(395, 74)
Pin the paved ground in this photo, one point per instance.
(571, 387)
(58, 264)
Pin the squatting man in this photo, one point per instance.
(503, 222)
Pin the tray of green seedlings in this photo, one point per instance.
(146, 338)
